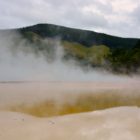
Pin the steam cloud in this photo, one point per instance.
(19, 61)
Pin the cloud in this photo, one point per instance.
(113, 17)
(136, 15)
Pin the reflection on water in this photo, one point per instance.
(44, 99)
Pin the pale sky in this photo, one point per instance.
(117, 17)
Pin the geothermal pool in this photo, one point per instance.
(44, 99)
(70, 110)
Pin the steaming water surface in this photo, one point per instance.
(58, 98)
(30, 91)
(27, 93)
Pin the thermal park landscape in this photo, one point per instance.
(47, 97)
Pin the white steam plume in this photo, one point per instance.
(20, 62)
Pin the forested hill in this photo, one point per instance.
(84, 37)
(88, 48)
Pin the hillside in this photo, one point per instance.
(88, 48)
(84, 37)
